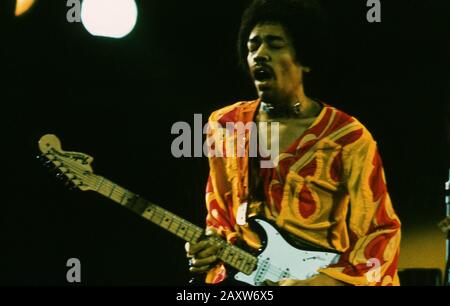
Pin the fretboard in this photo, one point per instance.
(230, 254)
(152, 212)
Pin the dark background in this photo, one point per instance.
(117, 100)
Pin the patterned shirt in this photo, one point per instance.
(328, 188)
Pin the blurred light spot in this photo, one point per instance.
(109, 18)
(22, 6)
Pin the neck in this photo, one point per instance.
(298, 106)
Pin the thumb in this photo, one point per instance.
(209, 232)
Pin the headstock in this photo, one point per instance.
(72, 167)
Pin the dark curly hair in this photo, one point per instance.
(304, 21)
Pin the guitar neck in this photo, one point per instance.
(150, 211)
(230, 254)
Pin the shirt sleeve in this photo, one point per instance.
(218, 198)
(221, 201)
(373, 226)
(217, 222)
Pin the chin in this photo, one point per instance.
(268, 98)
(265, 96)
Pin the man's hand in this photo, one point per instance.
(202, 255)
(317, 280)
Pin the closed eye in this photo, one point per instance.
(252, 47)
(277, 44)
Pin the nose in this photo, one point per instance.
(261, 55)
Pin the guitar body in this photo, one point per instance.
(279, 260)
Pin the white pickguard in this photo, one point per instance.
(281, 260)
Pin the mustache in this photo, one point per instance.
(264, 67)
(262, 72)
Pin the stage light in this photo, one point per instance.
(109, 18)
(22, 6)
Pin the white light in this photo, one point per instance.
(110, 18)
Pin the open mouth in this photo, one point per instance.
(262, 74)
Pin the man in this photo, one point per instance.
(327, 187)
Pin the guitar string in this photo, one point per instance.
(270, 270)
(121, 194)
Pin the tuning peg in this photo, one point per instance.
(70, 185)
(60, 176)
(48, 164)
(52, 169)
(43, 159)
(40, 157)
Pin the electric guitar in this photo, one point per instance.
(277, 260)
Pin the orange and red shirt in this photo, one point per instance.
(328, 189)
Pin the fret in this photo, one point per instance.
(181, 226)
(153, 215)
(197, 235)
(231, 256)
(188, 237)
(124, 196)
(112, 190)
(167, 221)
(116, 195)
(185, 227)
(244, 261)
(239, 263)
(100, 182)
(179, 222)
(174, 225)
(105, 188)
(224, 254)
(101, 186)
(159, 218)
(193, 236)
(148, 213)
(238, 260)
(181, 232)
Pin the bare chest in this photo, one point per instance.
(284, 133)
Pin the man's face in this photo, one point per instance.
(271, 60)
